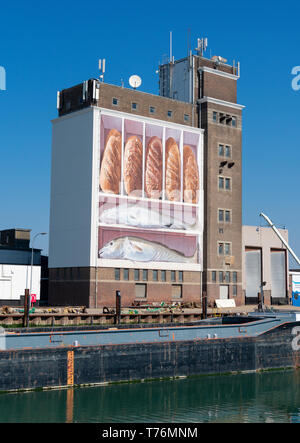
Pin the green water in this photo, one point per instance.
(254, 398)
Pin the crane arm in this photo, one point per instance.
(281, 238)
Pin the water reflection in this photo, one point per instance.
(264, 397)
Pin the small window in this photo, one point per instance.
(117, 274)
(186, 117)
(180, 276)
(115, 101)
(215, 116)
(221, 182)
(222, 118)
(155, 275)
(173, 276)
(234, 277)
(136, 274)
(234, 290)
(227, 151)
(152, 109)
(227, 183)
(233, 121)
(134, 106)
(163, 275)
(227, 277)
(170, 113)
(126, 274)
(221, 150)
(227, 216)
(145, 274)
(213, 276)
(228, 120)
(221, 248)
(221, 215)
(140, 290)
(221, 276)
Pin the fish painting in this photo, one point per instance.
(142, 217)
(138, 249)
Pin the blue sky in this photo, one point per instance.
(48, 46)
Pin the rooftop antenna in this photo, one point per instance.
(102, 68)
(201, 46)
(170, 46)
(135, 81)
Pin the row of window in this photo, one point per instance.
(224, 119)
(143, 274)
(152, 109)
(224, 276)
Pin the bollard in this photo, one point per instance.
(118, 308)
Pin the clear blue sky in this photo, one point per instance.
(48, 46)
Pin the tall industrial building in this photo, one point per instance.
(146, 190)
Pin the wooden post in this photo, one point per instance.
(118, 307)
(26, 309)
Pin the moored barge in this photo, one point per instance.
(65, 357)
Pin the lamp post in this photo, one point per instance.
(31, 268)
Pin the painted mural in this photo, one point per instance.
(150, 192)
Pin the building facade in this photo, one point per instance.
(15, 267)
(197, 108)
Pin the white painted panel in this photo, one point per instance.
(71, 190)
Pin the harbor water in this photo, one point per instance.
(272, 396)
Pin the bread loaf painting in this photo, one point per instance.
(172, 170)
(153, 168)
(133, 166)
(190, 176)
(110, 172)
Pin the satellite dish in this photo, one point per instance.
(135, 81)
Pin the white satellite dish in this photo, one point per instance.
(135, 81)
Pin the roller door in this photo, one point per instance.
(253, 272)
(278, 274)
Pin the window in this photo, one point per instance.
(227, 277)
(227, 216)
(136, 274)
(155, 275)
(227, 151)
(163, 275)
(140, 290)
(152, 109)
(222, 118)
(221, 182)
(215, 116)
(180, 275)
(186, 117)
(234, 290)
(224, 248)
(117, 274)
(234, 277)
(221, 150)
(134, 106)
(173, 276)
(221, 276)
(145, 274)
(227, 184)
(169, 113)
(126, 274)
(115, 101)
(221, 215)
(233, 121)
(176, 291)
(213, 276)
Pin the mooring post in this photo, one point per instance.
(204, 305)
(118, 307)
(26, 309)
